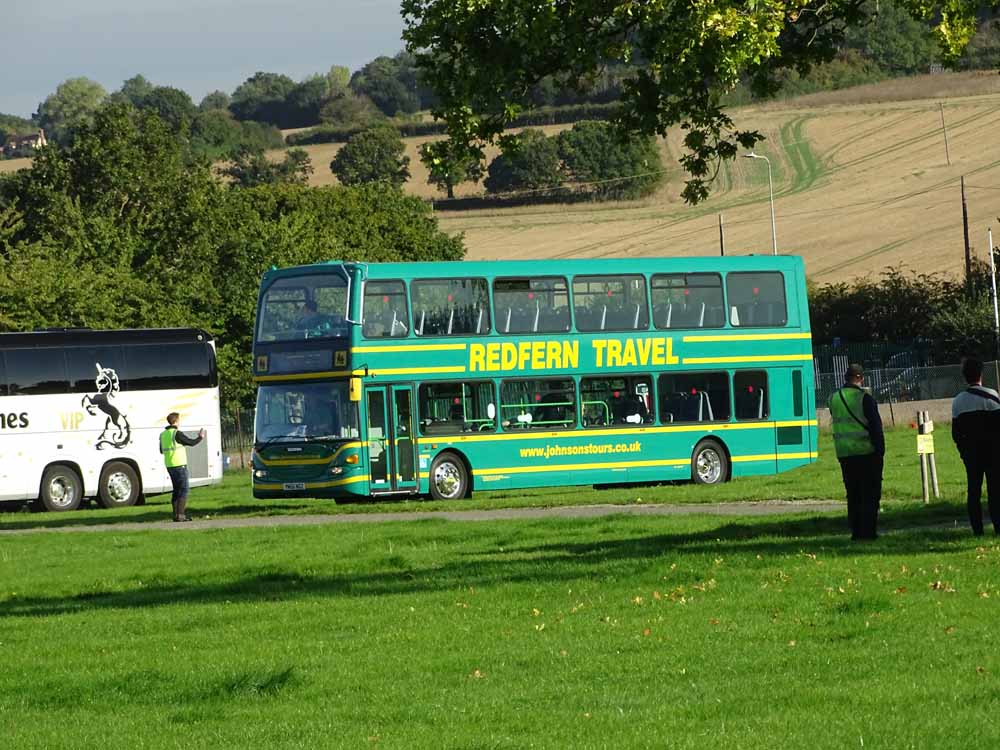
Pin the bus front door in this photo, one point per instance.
(391, 447)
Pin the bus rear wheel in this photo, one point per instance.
(449, 479)
(709, 463)
(119, 486)
(61, 490)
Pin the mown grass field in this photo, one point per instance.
(620, 632)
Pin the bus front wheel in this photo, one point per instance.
(119, 486)
(449, 479)
(709, 463)
(61, 490)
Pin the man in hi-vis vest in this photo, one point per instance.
(172, 442)
(860, 444)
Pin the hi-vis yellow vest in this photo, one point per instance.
(174, 454)
(849, 437)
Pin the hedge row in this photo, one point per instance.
(533, 117)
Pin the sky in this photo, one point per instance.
(195, 45)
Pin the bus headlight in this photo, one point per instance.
(259, 474)
(336, 470)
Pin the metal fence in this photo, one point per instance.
(896, 384)
(237, 437)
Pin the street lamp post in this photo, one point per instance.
(770, 190)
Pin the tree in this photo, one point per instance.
(214, 100)
(531, 162)
(71, 106)
(172, 105)
(482, 59)
(896, 41)
(348, 108)
(135, 90)
(373, 155)
(446, 168)
(249, 167)
(593, 152)
(380, 80)
(262, 97)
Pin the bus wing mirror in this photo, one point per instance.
(355, 389)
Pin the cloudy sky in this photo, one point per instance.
(195, 45)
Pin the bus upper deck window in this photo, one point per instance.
(756, 299)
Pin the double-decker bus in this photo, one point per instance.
(81, 411)
(444, 378)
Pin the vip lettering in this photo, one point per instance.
(71, 420)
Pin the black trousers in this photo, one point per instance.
(980, 463)
(863, 482)
(179, 479)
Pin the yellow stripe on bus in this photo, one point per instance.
(630, 464)
(302, 376)
(746, 337)
(308, 461)
(317, 485)
(415, 370)
(550, 434)
(752, 358)
(411, 348)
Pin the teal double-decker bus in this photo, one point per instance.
(442, 379)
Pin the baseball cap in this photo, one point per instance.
(854, 371)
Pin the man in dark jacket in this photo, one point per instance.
(975, 428)
(860, 445)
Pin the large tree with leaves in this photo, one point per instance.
(483, 57)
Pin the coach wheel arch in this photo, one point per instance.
(61, 488)
(450, 476)
(120, 485)
(710, 462)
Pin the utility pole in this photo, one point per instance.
(722, 237)
(968, 250)
(944, 129)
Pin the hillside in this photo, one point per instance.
(861, 183)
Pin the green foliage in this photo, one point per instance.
(262, 97)
(215, 100)
(895, 41)
(901, 308)
(389, 84)
(134, 90)
(14, 125)
(126, 228)
(373, 155)
(71, 106)
(216, 133)
(483, 58)
(347, 109)
(249, 168)
(172, 105)
(528, 162)
(594, 152)
(448, 167)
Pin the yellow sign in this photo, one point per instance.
(925, 444)
(340, 359)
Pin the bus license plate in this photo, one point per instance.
(293, 486)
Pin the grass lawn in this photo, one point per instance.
(619, 632)
(818, 481)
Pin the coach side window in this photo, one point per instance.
(385, 310)
(538, 305)
(450, 408)
(694, 397)
(750, 395)
(610, 303)
(548, 404)
(688, 300)
(155, 367)
(616, 400)
(450, 307)
(36, 371)
(88, 365)
(756, 299)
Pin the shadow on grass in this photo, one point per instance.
(517, 563)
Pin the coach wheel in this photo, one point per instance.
(61, 490)
(709, 464)
(119, 486)
(449, 479)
